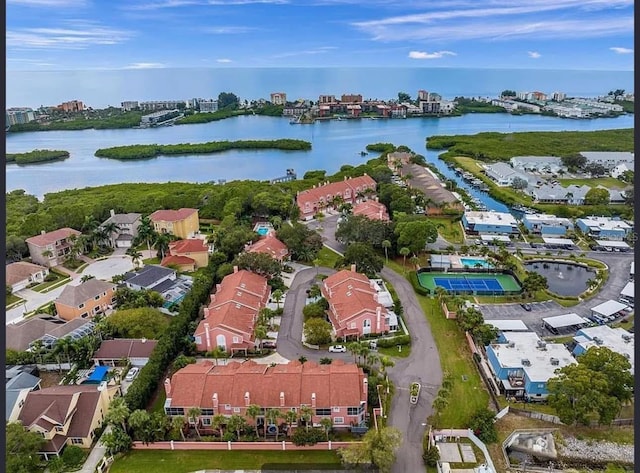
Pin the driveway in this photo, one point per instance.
(109, 267)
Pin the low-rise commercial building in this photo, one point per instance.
(604, 228)
(545, 224)
(617, 340)
(500, 223)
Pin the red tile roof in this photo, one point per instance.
(192, 245)
(338, 384)
(121, 348)
(16, 272)
(171, 215)
(179, 260)
(355, 184)
(52, 237)
(271, 246)
(237, 319)
(372, 210)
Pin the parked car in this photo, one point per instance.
(337, 349)
(526, 307)
(133, 372)
(269, 344)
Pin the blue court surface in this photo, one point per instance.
(457, 284)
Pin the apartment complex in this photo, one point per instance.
(183, 223)
(19, 116)
(337, 391)
(230, 318)
(71, 106)
(604, 228)
(50, 248)
(353, 190)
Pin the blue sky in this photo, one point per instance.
(137, 34)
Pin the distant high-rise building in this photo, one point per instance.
(351, 98)
(208, 106)
(19, 115)
(423, 95)
(71, 106)
(278, 98)
(326, 99)
(559, 96)
(129, 105)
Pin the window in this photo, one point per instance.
(338, 420)
(336, 409)
(59, 428)
(541, 386)
(206, 421)
(236, 339)
(97, 297)
(352, 411)
(236, 410)
(206, 412)
(81, 306)
(174, 411)
(76, 441)
(227, 407)
(198, 340)
(323, 412)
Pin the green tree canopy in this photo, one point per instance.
(482, 424)
(365, 258)
(303, 243)
(22, 447)
(143, 322)
(415, 234)
(227, 100)
(360, 229)
(259, 263)
(597, 196)
(378, 448)
(317, 331)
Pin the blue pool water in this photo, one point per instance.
(262, 231)
(471, 262)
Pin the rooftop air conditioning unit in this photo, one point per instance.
(511, 344)
(597, 340)
(554, 361)
(526, 362)
(542, 345)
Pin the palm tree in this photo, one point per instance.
(259, 333)
(414, 260)
(404, 251)
(177, 423)
(385, 362)
(217, 353)
(194, 417)
(290, 418)
(302, 359)
(326, 360)
(272, 417)
(118, 413)
(161, 243)
(236, 423)
(306, 414)
(277, 296)
(139, 421)
(327, 425)
(89, 224)
(135, 255)
(253, 411)
(386, 244)
(354, 349)
(146, 232)
(64, 345)
(47, 253)
(276, 221)
(111, 228)
(218, 421)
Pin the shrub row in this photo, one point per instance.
(173, 341)
(413, 277)
(392, 342)
(312, 436)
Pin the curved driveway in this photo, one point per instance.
(423, 365)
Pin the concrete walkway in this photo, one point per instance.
(95, 457)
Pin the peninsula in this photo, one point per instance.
(37, 156)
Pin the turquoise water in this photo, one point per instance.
(262, 231)
(471, 262)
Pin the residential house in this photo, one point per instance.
(521, 364)
(49, 249)
(354, 309)
(66, 415)
(501, 223)
(617, 340)
(545, 224)
(372, 209)
(504, 175)
(398, 159)
(182, 223)
(188, 255)
(22, 335)
(127, 228)
(352, 191)
(604, 228)
(149, 277)
(609, 159)
(337, 391)
(136, 350)
(16, 391)
(539, 164)
(19, 275)
(85, 300)
(437, 197)
(269, 245)
(230, 318)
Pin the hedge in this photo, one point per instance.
(413, 277)
(392, 342)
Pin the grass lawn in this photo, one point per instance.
(151, 261)
(184, 461)
(158, 403)
(394, 353)
(449, 228)
(467, 396)
(626, 323)
(326, 258)
(608, 182)
(45, 285)
(12, 299)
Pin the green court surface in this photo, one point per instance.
(469, 282)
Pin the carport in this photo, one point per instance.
(554, 324)
(561, 243)
(628, 293)
(506, 325)
(608, 310)
(613, 245)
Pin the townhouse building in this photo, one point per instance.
(322, 196)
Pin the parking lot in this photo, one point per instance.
(532, 319)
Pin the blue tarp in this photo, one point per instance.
(99, 374)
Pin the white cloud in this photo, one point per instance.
(433, 55)
(619, 50)
(49, 3)
(77, 35)
(228, 29)
(318, 50)
(224, 60)
(145, 65)
(534, 54)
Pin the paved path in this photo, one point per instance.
(95, 456)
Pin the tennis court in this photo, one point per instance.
(476, 283)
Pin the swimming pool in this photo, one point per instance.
(263, 228)
(473, 262)
(262, 231)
